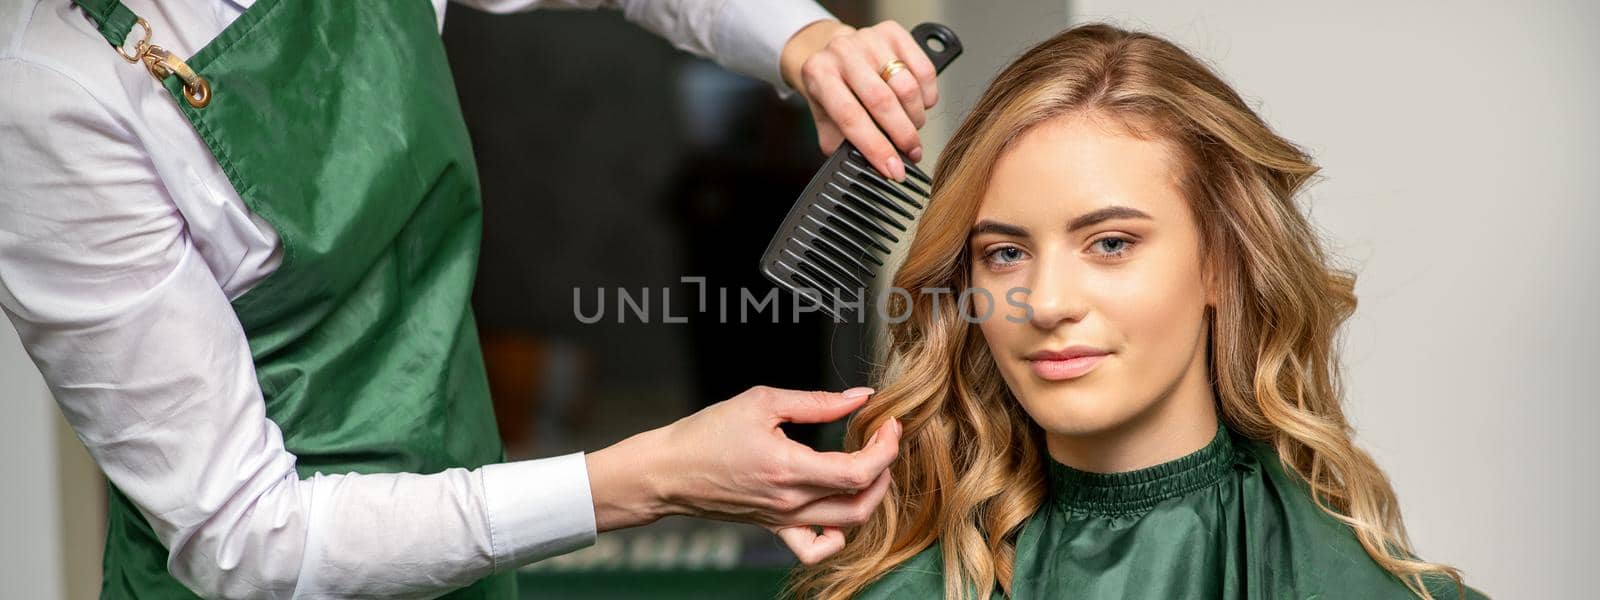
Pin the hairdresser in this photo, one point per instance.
(238, 239)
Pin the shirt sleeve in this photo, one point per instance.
(150, 366)
(745, 36)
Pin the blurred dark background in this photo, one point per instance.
(612, 161)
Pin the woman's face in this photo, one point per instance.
(1092, 222)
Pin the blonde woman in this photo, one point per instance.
(1144, 400)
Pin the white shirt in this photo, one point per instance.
(121, 245)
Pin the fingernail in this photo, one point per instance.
(857, 392)
(896, 170)
(915, 154)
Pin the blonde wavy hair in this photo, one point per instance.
(972, 467)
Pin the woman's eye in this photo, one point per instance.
(1004, 256)
(1112, 247)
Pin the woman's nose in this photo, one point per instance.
(1056, 295)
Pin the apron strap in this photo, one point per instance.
(115, 21)
(112, 17)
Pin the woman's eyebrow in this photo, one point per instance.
(988, 226)
(1106, 214)
(1085, 220)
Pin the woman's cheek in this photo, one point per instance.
(1157, 306)
(994, 307)
(982, 298)
(1123, 297)
(998, 331)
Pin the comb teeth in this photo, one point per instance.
(842, 230)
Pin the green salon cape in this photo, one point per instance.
(1223, 522)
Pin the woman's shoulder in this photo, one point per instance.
(1445, 589)
(1319, 550)
(921, 576)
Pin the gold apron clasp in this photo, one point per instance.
(138, 48)
(163, 64)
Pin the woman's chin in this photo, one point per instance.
(1074, 412)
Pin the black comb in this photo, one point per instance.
(840, 231)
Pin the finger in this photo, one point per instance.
(809, 546)
(828, 135)
(862, 73)
(903, 82)
(852, 119)
(817, 407)
(911, 100)
(906, 90)
(843, 510)
(916, 60)
(847, 471)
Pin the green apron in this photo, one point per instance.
(1224, 522)
(338, 123)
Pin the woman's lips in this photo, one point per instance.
(1063, 369)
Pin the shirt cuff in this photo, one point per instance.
(750, 35)
(538, 509)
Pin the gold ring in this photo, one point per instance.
(888, 70)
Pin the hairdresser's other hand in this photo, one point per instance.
(837, 68)
(731, 462)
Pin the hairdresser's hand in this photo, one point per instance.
(837, 68)
(731, 462)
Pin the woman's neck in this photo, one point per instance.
(1172, 428)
